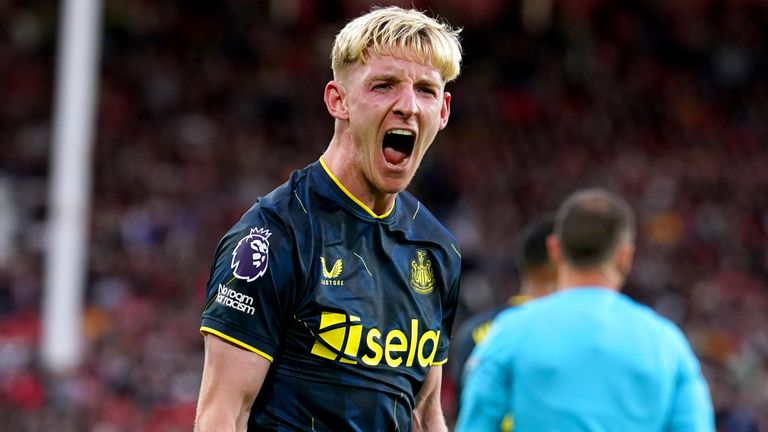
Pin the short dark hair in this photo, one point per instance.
(591, 224)
(531, 250)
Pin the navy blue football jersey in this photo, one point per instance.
(351, 308)
(470, 333)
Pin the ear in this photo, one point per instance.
(335, 100)
(554, 250)
(445, 110)
(624, 258)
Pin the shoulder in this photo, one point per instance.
(283, 204)
(502, 336)
(418, 217)
(650, 316)
(475, 328)
(419, 224)
(277, 216)
(511, 314)
(483, 317)
(664, 330)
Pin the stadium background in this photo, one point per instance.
(205, 105)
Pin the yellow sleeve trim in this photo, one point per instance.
(352, 197)
(439, 363)
(517, 300)
(205, 329)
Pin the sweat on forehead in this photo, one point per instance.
(400, 33)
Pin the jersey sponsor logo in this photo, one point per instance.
(234, 299)
(340, 336)
(249, 259)
(422, 278)
(329, 276)
(480, 332)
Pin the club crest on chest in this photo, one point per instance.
(422, 277)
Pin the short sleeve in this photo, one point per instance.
(692, 404)
(252, 285)
(449, 304)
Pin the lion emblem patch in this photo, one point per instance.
(250, 257)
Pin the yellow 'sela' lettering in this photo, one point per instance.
(373, 342)
(396, 342)
(433, 336)
(343, 334)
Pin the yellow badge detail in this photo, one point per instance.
(422, 278)
(507, 423)
(481, 331)
(339, 337)
(333, 273)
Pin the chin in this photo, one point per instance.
(393, 186)
(392, 189)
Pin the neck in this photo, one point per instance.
(341, 162)
(538, 281)
(533, 290)
(570, 277)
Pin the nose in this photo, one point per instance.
(405, 105)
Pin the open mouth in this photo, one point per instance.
(398, 145)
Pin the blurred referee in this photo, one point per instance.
(587, 358)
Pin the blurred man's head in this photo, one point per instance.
(538, 275)
(594, 234)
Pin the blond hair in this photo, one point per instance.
(400, 33)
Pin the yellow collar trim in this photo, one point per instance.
(517, 300)
(352, 197)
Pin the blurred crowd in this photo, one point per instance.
(203, 106)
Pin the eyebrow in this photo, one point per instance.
(391, 78)
(385, 77)
(427, 82)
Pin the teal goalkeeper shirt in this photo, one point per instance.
(585, 359)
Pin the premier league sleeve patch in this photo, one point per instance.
(250, 257)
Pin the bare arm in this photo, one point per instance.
(428, 414)
(232, 377)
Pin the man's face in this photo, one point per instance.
(395, 108)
